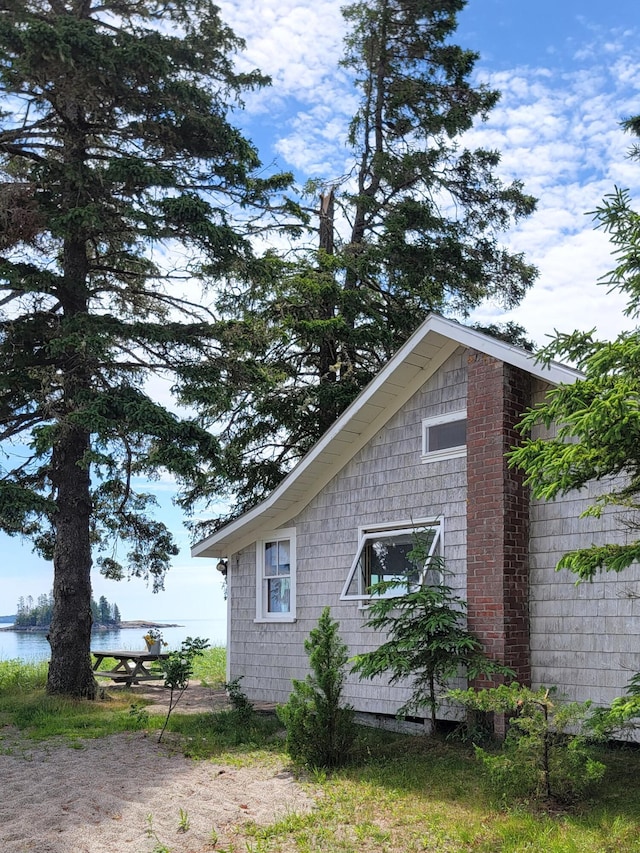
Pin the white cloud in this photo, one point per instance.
(556, 126)
(297, 44)
(560, 135)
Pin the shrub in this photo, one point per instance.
(427, 641)
(178, 669)
(242, 708)
(545, 753)
(320, 732)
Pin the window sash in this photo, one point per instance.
(277, 558)
(381, 556)
(278, 595)
(445, 436)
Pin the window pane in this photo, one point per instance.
(386, 559)
(278, 595)
(389, 557)
(284, 561)
(442, 436)
(277, 560)
(270, 558)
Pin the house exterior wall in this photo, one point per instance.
(582, 638)
(385, 482)
(585, 637)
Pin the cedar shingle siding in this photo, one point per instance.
(500, 548)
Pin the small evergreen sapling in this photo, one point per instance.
(427, 643)
(545, 753)
(320, 731)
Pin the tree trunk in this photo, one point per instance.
(433, 702)
(368, 178)
(328, 349)
(70, 671)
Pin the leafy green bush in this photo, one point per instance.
(178, 669)
(320, 732)
(546, 753)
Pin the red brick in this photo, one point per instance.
(498, 514)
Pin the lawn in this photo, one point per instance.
(399, 794)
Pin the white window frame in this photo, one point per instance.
(262, 599)
(376, 531)
(447, 452)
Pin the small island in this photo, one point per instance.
(138, 623)
(36, 616)
(135, 623)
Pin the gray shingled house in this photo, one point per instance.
(423, 447)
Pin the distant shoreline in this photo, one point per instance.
(136, 623)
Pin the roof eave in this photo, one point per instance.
(421, 356)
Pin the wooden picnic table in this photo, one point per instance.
(131, 666)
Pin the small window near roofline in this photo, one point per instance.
(444, 437)
(384, 555)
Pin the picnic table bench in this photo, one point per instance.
(131, 666)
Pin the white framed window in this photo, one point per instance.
(444, 436)
(276, 577)
(385, 554)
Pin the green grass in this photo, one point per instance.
(16, 676)
(210, 668)
(416, 794)
(401, 794)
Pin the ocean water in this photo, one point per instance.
(34, 646)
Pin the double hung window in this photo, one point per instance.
(402, 557)
(275, 577)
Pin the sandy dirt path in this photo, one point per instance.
(107, 795)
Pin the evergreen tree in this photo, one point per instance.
(596, 420)
(41, 614)
(427, 642)
(120, 174)
(104, 610)
(413, 228)
(320, 730)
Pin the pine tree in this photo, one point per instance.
(320, 730)
(120, 176)
(427, 642)
(596, 420)
(413, 228)
(104, 610)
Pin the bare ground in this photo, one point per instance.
(125, 792)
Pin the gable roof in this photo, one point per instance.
(403, 375)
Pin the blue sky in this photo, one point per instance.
(569, 72)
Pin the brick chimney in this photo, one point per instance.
(497, 515)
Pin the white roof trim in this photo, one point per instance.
(414, 363)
